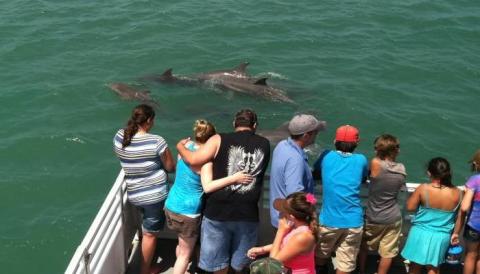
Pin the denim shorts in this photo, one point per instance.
(226, 243)
(471, 234)
(153, 217)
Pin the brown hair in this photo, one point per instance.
(140, 115)
(203, 130)
(245, 118)
(439, 168)
(386, 146)
(303, 210)
(476, 161)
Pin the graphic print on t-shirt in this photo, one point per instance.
(251, 163)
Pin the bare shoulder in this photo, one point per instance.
(375, 161)
(214, 140)
(421, 189)
(375, 167)
(304, 238)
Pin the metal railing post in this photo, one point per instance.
(86, 260)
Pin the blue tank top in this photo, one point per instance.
(434, 219)
(185, 197)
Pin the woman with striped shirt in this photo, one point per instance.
(145, 158)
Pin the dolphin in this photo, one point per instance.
(235, 79)
(167, 77)
(275, 135)
(239, 71)
(257, 87)
(127, 92)
(281, 133)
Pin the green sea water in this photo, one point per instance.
(409, 68)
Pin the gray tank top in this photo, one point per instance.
(382, 206)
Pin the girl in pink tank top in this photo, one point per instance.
(295, 240)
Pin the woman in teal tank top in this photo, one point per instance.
(436, 207)
(184, 202)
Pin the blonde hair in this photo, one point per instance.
(203, 130)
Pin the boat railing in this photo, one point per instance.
(105, 247)
(108, 245)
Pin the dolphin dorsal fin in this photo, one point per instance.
(167, 73)
(261, 81)
(242, 67)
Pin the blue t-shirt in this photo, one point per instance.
(473, 183)
(185, 197)
(289, 173)
(342, 175)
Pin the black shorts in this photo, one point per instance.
(471, 234)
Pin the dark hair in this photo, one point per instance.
(303, 210)
(439, 168)
(203, 130)
(345, 146)
(386, 146)
(245, 118)
(140, 115)
(298, 136)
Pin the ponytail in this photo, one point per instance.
(313, 224)
(140, 115)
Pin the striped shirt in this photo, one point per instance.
(144, 174)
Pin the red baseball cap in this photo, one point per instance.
(347, 133)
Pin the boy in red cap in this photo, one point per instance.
(341, 217)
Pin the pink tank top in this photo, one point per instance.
(302, 263)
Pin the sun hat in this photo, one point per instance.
(282, 205)
(267, 265)
(303, 123)
(347, 133)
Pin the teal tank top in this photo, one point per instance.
(434, 219)
(185, 197)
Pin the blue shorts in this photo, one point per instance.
(153, 217)
(221, 241)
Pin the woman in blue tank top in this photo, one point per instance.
(436, 207)
(184, 202)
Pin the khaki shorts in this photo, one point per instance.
(384, 238)
(185, 226)
(344, 241)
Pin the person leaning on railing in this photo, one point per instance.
(341, 217)
(383, 218)
(185, 200)
(436, 205)
(470, 204)
(145, 158)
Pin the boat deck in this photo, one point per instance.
(166, 259)
(165, 252)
